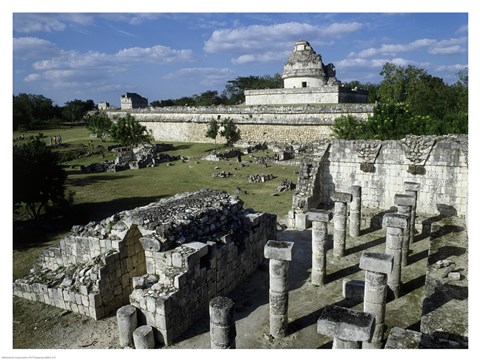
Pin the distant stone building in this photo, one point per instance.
(306, 80)
(103, 105)
(130, 101)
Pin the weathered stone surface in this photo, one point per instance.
(411, 186)
(319, 215)
(396, 220)
(151, 244)
(278, 250)
(376, 262)
(404, 200)
(143, 337)
(341, 197)
(399, 338)
(345, 324)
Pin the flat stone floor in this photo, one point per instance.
(307, 301)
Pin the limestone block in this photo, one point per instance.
(411, 186)
(199, 247)
(376, 262)
(319, 215)
(345, 324)
(353, 289)
(404, 200)
(278, 250)
(395, 220)
(341, 197)
(143, 337)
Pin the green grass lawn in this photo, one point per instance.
(99, 195)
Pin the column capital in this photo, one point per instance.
(395, 220)
(376, 262)
(278, 250)
(341, 197)
(319, 215)
(404, 200)
(345, 324)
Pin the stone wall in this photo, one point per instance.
(85, 277)
(326, 94)
(438, 164)
(256, 123)
(168, 259)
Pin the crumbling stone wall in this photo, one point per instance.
(438, 164)
(86, 274)
(168, 259)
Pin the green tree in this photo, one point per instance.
(229, 131)
(75, 110)
(347, 127)
(212, 131)
(38, 178)
(29, 108)
(129, 132)
(235, 89)
(99, 124)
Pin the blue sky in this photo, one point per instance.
(161, 55)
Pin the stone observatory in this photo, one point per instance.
(305, 69)
(167, 259)
(306, 80)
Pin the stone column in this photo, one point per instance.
(127, 323)
(340, 222)
(319, 219)
(412, 188)
(397, 226)
(222, 323)
(355, 211)
(376, 267)
(143, 337)
(347, 327)
(279, 253)
(405, 204)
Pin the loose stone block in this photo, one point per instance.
(278, 250)
(222, 323)
(127, 323)
(346, 325)
(376, 262)
(143, 337)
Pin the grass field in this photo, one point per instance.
(99, 195)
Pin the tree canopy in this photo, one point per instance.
(129, 132)
(38, 178)
(98, 124)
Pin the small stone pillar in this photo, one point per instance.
(412, 188)
(340, 222)
(397, 227)
(355, 211)
(347, 327)
(319, 219)
(143, 337)
(222, 323)
(405, 204)
(127, 323)
(279, 253)
(376, 267)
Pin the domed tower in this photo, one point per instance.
(305, 69)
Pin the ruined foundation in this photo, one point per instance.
(167, 259)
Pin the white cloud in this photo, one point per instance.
(30, 23)
(439, 47)
(205, 76)
(159, 54)
(256, 37)
(261, 58)
(32, 77)
(462, 29)
(264, 43)
(32, 47)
